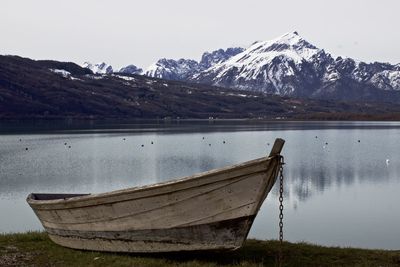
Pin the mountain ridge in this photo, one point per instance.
(32, 89)
(288, 65)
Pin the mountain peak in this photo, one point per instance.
(292, 39)
(100, 68)
(171, 69)
(290, 45)
(289, 35)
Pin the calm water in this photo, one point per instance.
(344, 193)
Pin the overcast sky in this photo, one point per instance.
(123, 32)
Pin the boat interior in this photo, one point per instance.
(54, 196)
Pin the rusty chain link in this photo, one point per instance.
(280, 256)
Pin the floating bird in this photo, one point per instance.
(142, 145)
(69, 146)
(26, 148)
(326, 143)
(20, 140)
(124, 139)
(209, 144)
(267, 144)
(203, 137)
(223, 142)
(152, 142)
(387, 161)
(359, 140)
(316, 136)
(65, 144)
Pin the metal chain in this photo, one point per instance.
(281, 163)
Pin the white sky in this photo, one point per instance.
(123, 32)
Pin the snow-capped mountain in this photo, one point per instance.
(185, 69)
(269, 66)
(131, 69)
(99, 68)
(290, 65)
(170, 69)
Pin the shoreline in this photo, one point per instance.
(15, 127)
(306, 118)
(36, 249)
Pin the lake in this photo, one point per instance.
(342, 179)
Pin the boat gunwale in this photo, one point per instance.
(34, 203)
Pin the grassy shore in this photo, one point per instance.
(36, 249)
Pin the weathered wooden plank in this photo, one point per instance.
(223, 234)
(277, 148)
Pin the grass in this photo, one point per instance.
(36, 249)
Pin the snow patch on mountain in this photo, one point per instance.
(63, 73)
(386, 80)
(95, 77)
(98, 68)
(126, 78)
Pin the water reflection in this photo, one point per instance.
(306, 180)
(183, 126)
(332, 176)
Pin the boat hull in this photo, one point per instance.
(228, 234)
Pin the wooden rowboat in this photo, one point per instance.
(210, 210)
